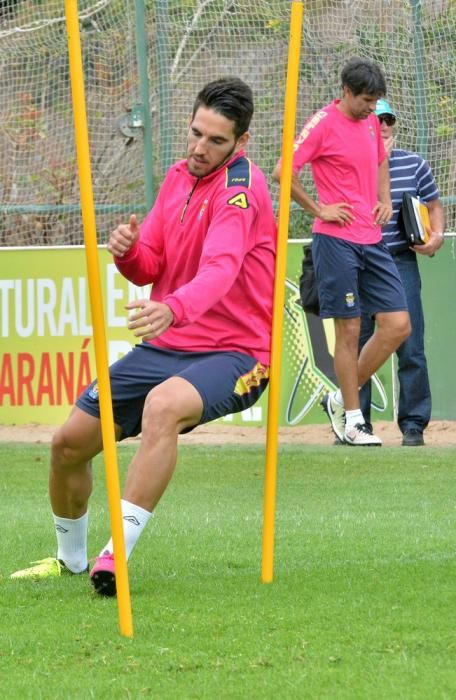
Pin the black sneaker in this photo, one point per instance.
(412, 438)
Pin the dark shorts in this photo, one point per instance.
(228, 382)
(354, 279)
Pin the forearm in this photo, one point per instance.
(299, 195)
(384, 191)
(436, 216)
(139, 265)
(337, 212)
(190, 301)
(437, 227)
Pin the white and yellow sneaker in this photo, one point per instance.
(43, 568)
(336, 414)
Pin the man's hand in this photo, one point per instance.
(389, 144)
(124, 237)
(431, 247)
(340, 212)
(151, 320)
(382, 213)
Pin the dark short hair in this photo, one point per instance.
(361, 75)
(230, 97)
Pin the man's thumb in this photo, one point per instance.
(133, 224)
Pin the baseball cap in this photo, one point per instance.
(384, 107)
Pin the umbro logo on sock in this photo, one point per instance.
(59, 528)
(131, 519)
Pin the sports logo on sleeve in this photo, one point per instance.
(239, 200)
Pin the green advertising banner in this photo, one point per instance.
(438, 292)
(307, 367)
(47, 349)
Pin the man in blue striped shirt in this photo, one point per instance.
(409, 172)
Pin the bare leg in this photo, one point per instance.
(70, 478)
(70, 485)
(169, 408)
(392, 329)
(346, 359)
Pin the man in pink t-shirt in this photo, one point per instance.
(208, 248)
(354, 269)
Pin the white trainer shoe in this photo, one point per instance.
(336, 414)
(361, 436)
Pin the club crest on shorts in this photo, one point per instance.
(349, 300)
(93, 393)
(252, 379)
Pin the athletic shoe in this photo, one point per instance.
(413, 438)
(45, 568)
(103, 574)
(361, 436)
(336, 414)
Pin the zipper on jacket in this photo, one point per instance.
(187, 202)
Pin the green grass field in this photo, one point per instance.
(363, 603)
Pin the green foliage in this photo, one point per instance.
(188, 42)
(362, 604)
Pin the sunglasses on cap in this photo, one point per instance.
(387, 119)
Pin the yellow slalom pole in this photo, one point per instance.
(294, 48)
(90, 239)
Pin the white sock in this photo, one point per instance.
(72, 542)
(135, 520)
(352, 418)
(338, 397)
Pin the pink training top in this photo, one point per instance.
(344, 155)
(208, 246)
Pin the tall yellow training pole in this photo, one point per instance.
(90, 239)
(294, 49)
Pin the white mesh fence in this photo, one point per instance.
(188, 43)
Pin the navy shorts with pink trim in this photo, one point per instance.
(228, 382)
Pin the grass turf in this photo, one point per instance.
(362, 604)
